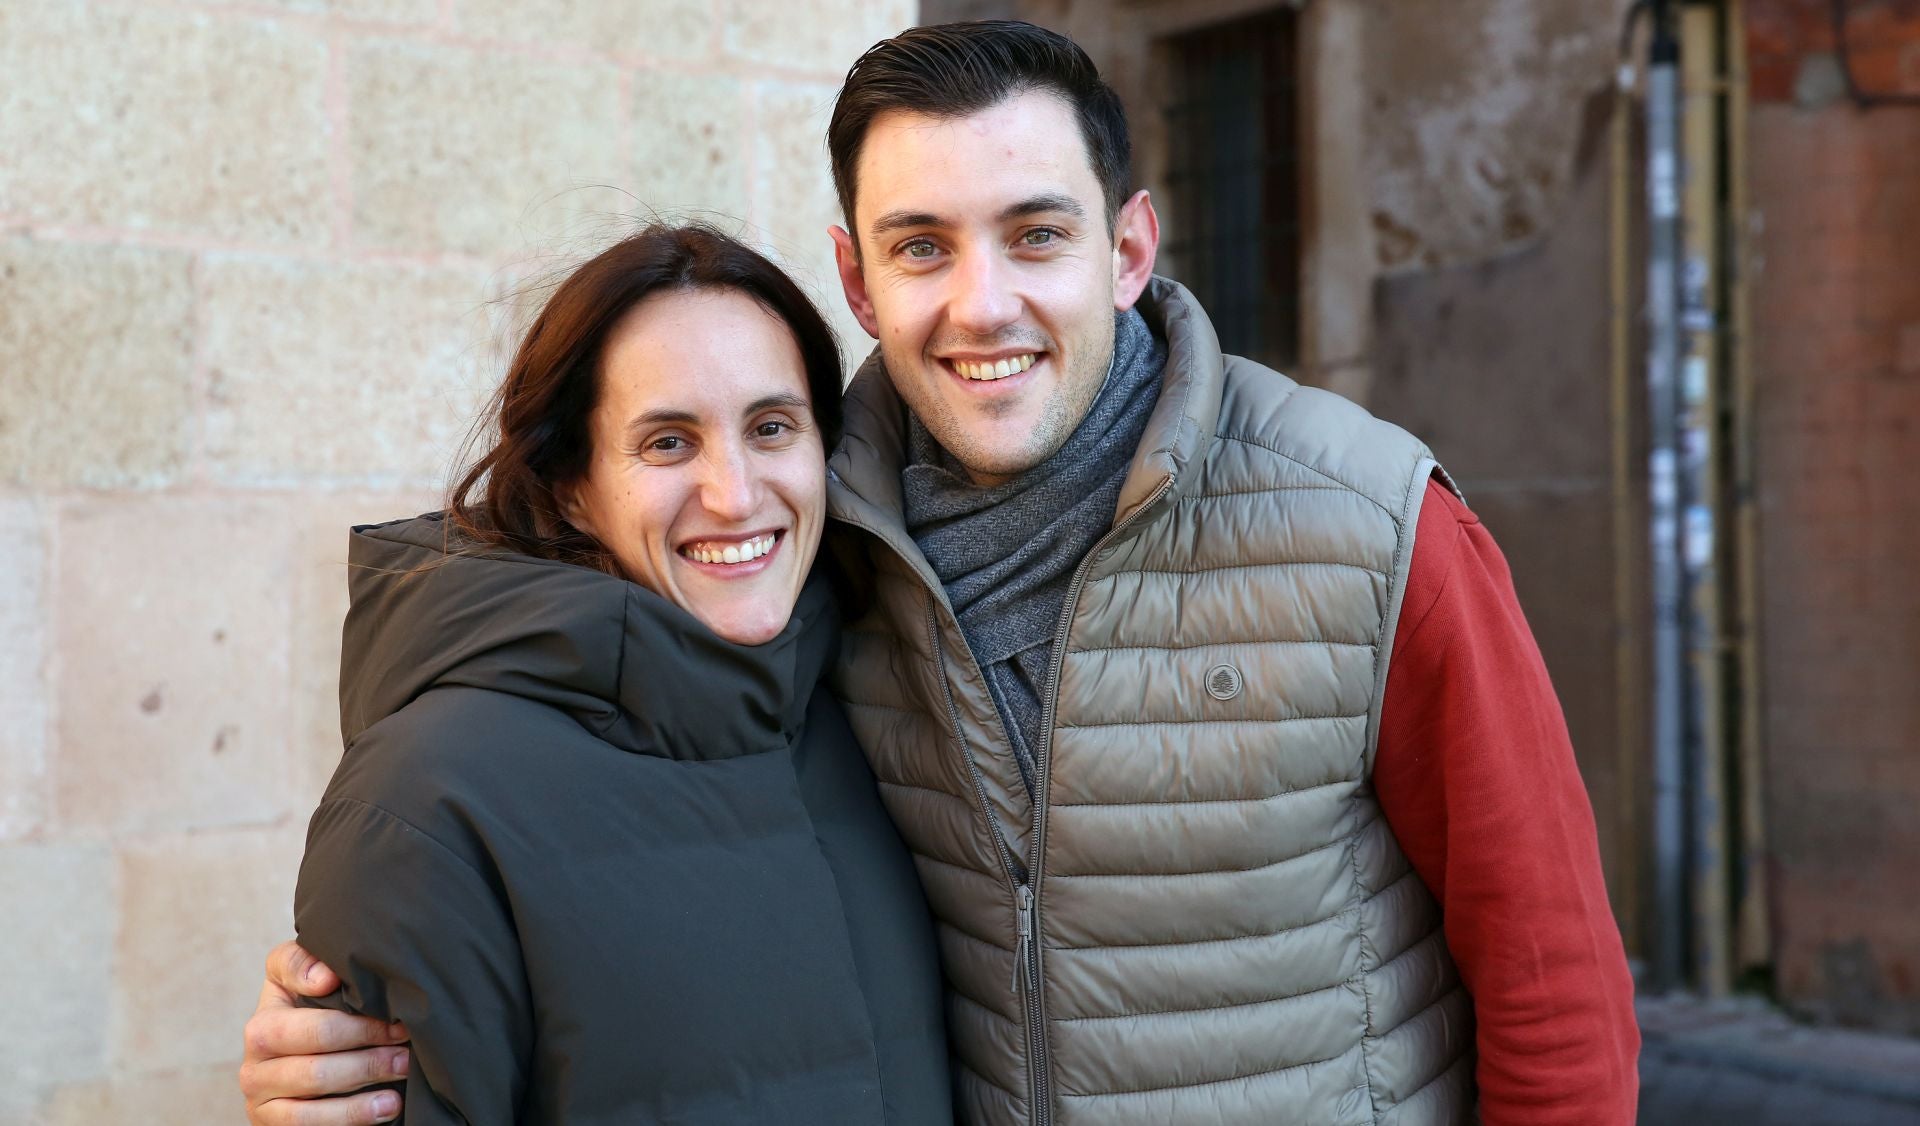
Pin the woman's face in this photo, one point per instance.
(708, 478)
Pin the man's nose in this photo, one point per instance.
(729, 489)
(983, 300)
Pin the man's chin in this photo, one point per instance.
(990, 463)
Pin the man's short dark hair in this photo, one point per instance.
(955, 69)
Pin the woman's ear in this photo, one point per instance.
(567, 497)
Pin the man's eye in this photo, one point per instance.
(1039, 236)
(920, 248)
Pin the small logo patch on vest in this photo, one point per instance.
(1223, 682)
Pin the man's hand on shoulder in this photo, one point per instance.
(302, 1065)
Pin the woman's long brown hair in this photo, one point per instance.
(538, 417)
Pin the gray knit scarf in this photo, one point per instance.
(1007, 553)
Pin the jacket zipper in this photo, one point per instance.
(1027, 896)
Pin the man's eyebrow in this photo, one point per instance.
(901, 220)
(1043, 203)
(1033, 205)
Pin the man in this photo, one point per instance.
(1203, 702)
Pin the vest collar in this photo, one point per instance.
(864, 472)
(1181, 429)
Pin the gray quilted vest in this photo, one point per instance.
(1206, 919)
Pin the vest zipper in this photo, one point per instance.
(1023, 913)
(1029, 894)
(1025, 881)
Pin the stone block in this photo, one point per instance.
(95, 384)
(55, 950)
(815, 35)
(794, 200)
(675, 29)
(320, 607)
(1473, 125)
(1502, 366)
(479, 153)
(376, 11)
(198, 913)
(193, 1097)
(171, 688)
(150, 118)
(687, 150)
(327, 372)
(23, 692)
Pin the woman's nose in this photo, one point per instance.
(730, 490)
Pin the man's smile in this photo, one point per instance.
(986, 370)
(994, 375)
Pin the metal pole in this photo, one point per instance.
(1702, 373)
(1664, 542)
(1755, 941)
(1630, 739)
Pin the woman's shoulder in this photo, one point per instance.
(453, 755)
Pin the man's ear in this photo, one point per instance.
(1136, 242)
(847, 259)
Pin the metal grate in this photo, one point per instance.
(1233, 181)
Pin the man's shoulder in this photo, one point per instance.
(1316, 432)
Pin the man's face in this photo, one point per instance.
(986, 270)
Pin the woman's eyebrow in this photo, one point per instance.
(780, 399)
(661, 416)
(678, 416)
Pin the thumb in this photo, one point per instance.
(297, 973)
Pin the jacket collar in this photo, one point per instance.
(863, 486)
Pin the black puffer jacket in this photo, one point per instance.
(608, 867)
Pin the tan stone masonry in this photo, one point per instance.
(258, 263)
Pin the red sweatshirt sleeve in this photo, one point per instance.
(1477, 779)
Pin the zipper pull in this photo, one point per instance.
(1023, 914)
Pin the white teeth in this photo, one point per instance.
(745, 552)
(983, 372)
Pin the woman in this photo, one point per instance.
(600, 837)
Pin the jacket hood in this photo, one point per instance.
(633, 668)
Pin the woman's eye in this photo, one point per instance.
(671, 443)
(770, 429)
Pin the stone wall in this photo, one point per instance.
(257, 265)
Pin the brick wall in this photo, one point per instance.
(1836, 192)
(255, 261)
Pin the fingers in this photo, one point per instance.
(299, 973)
(297, 1057)
(360, 1110)
(290, 1079)
(275, 1032)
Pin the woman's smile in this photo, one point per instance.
(732, 557)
